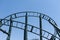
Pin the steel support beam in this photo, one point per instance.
(40, 19)
(10, 28)
(25, 30)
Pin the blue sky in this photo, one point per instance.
(48, 7)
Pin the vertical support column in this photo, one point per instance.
(10, 28)
(25, 30)
(40, 22)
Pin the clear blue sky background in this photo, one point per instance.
(49, 7)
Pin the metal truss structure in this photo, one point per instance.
(8, 21)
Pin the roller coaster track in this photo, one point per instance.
(8, 21)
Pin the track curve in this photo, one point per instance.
(32, 14)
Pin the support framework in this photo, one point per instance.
(10, 29)
(25, 30)
(27, 14)
(40, 18)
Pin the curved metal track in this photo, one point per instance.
(6, 21)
